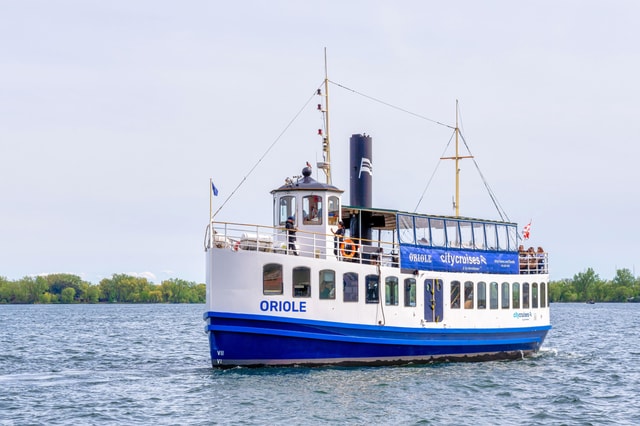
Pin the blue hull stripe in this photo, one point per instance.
(371, 340)
(237, 339)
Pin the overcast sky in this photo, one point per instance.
(115, 114)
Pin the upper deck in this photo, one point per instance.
(397, 239)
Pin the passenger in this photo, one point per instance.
(540, 255)
(291, 235)
(533, 260)
(337, 239)
(522, 259)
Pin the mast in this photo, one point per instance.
(326, 147)
(457, 158)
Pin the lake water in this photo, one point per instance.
(149, 364)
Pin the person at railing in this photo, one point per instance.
(522, 259)
(533, 260)
(291, 235)
(337, 239)
(540, 255)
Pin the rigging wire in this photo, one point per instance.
(391, 105)
(433, 174)
(295, 117)
(492, 195)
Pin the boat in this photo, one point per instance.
(397, 288)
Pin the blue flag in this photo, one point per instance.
(215, 190)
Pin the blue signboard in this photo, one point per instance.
(457, 260)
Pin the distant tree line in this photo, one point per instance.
(120, 288)
(588, 286)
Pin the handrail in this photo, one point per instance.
(274, 239)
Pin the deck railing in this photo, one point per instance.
(246, 237)
(237, 236)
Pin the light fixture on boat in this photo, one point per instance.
(320, 132)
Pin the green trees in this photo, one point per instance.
(120, 288)
(585, 286)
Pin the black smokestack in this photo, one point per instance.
(361, 179)
(361, 171)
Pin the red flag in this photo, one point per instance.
(526, 230)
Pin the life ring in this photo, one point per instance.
(236, 246)
(348, 248)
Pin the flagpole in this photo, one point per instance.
(210, 212)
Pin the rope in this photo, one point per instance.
(391, 105)
(295, 117)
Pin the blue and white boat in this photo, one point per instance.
(400, 287)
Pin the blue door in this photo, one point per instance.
(433, 300)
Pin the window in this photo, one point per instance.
(455, 294)
(481, 301)
(423, 236)
(466, 234)
(372, 291)
(327, 284)
(515, 295)
(525, 295)
(534, 295)
(410, 292)
(453, 233)
(492, 236)
(301, 281)
(272, 279)
(493, 295)
(505, 296)
(391, 291)
(468, 295)
(350, 283)
(406, 233)
(286, 208)
(543, 296)
(478, 236)
(438, 236)
(312, 210)
(334, 210)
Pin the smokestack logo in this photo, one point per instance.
(365, 167)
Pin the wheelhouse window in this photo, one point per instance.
(468, 295)
(333, 210)
(410, 292)
(525, 295)
(301, 281)
(534, 295)
(543, 295)
(505, 295)
(327, 284)
(481, 296)
(286, 208)
(391, 291)
(372, 289)
(312, 210)
(272, 279)
(493, 295)
(455, 294)
(350, 287)
(515, 295)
